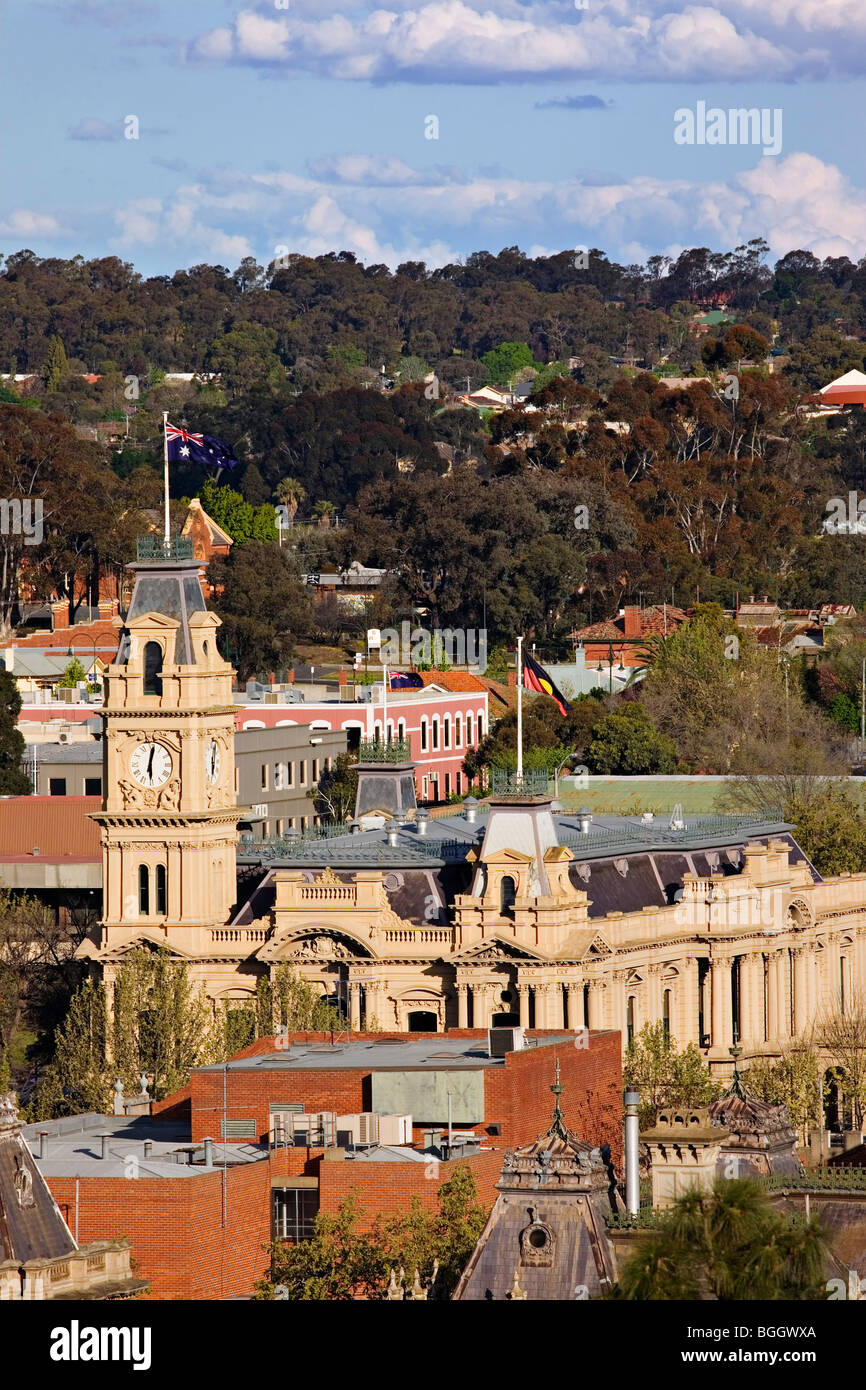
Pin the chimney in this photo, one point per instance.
(392, 836)
(105, 1138)
(108, 608)
(59, 615)
(208, 1152)
(470, 809)
(291, 680)
(43, 1133)
(633, 626)
(421, 820)
(584, 820)
(148, 1147)
(341, 678)
(632, 1153)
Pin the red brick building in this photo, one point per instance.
(200, 1214)
(624, 637)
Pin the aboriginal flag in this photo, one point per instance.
(536, 678)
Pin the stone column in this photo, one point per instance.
(354, 1006)
(596, 1004)
(858, 981)
(721, 1003)
(783, 987)
(751, 1000)
(525, 992)
(684, 1024)
(574, 1004)
(653, 997)
(462, 1006)
(802, 968)
(481, 1004)
(772, 996)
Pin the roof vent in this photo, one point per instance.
(35, 851)
(393, 836)
(584, 820)
(421, 820)
(470, 809)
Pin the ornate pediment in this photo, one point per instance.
(318, 947)
(493, 951)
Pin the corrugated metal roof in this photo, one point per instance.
(58, 825)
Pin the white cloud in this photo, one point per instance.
(499, 40)
(798, 201)
(23, 223)
(92, 128)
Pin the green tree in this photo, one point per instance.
(625, 742)
(240, 518)
(831, 828)
(664, 1075)
(344, 1261)
(505, 361)
(841, 1031)
(13, 779)
(727, 1245)
(792, 1080)
(289, 1003)
(162, 1024)
(74, 674)
(262, 604)
(55, 367)
(335, 795)
(77, 1078)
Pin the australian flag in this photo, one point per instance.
(186, 447)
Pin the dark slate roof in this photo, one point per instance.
(31, 1226)
(623, 863)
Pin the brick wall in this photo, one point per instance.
(175, 1225)
(517, 1097)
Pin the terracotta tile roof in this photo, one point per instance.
(653, 620)
(502, 697)
(457, 681)
(80, 638)
(57, 824)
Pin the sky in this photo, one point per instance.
(171, 132)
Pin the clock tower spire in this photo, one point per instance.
(169, 815)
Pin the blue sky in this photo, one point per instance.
(301, 124)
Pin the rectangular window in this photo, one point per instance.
(160, 891)
(281, 827)
(304, 822)
(264, 777)
(423, 735)
(278, 777)
(293, 823)
(295, 1211)
(302, 772)
(57, 786)
(93, 786)
(290, 774)
(315, 769)
(447, 785)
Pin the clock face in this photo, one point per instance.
(212, 761)
(151, 765)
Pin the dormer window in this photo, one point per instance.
(152, 668)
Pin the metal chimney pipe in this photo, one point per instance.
(632, 1146)
(584, 820)
(421, 822)
(208, 1152)
(43, 1133)
(105, 1138)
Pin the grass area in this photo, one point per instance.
(634, 795)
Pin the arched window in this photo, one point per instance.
(152, 668)
(161, 908)
(144, 890)
(435, 727)
(469, 731)
(446, 732)
(630, 1019)
(480, 722)
(507, 895)
(458, 731)
(666, 1012)
(423, 735)
(401, 731)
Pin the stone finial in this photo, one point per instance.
(9, 1111)
(395, 1290)
(516, 1291)
(143, 1083)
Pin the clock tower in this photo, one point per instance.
(169, 814)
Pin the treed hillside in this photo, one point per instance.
(615, 488)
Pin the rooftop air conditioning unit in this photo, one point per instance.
(63, 738)
(395, 1129)
(503, 1040)
(368, 1129)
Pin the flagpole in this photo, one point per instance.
(520, 709)
(165, 466)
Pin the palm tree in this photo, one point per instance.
(727, 1244)
(324, 511)
(291, 493)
